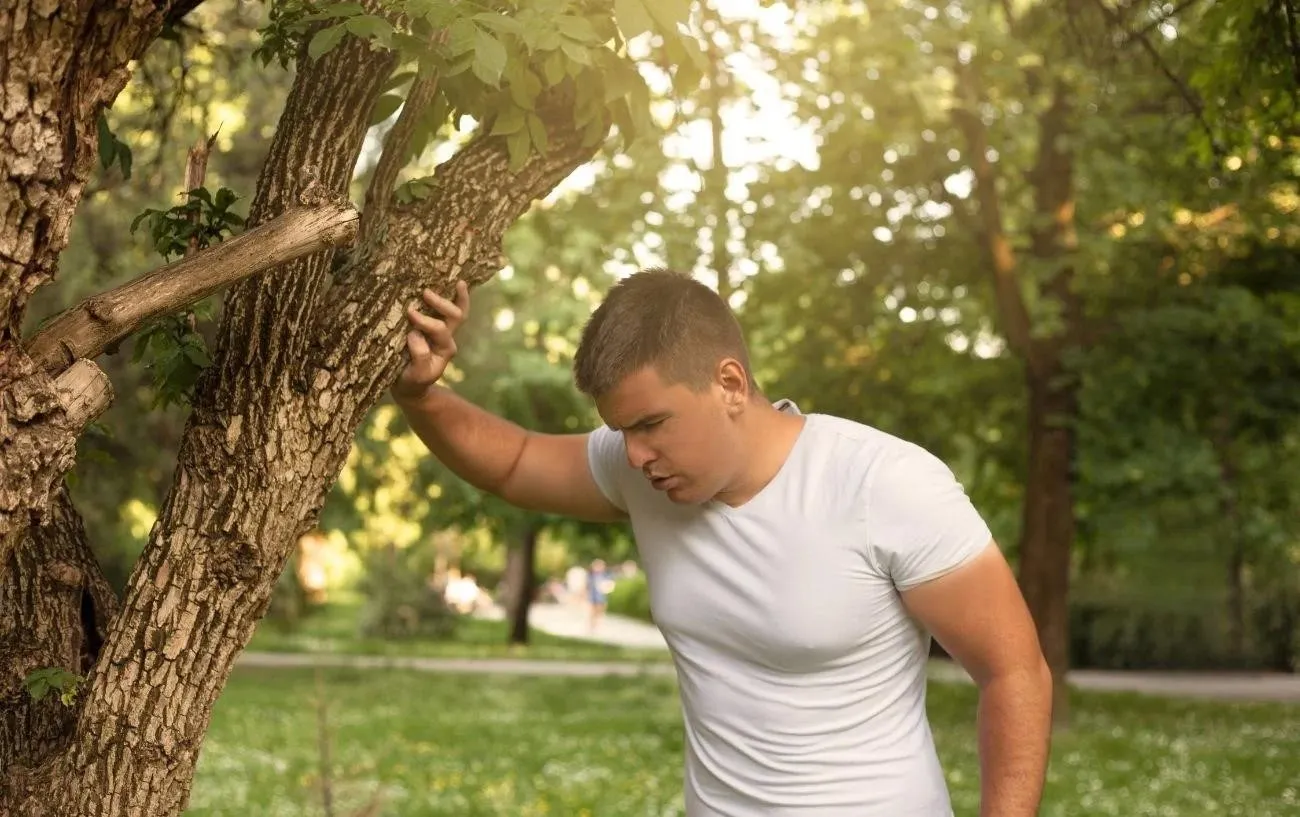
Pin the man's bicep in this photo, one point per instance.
(553, 476)
(978, 615)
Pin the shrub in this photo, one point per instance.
(400, 603)
(631, 597)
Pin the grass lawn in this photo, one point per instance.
(609, 747)
(332, 628)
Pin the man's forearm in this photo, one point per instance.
(478, 446)
(1015, 724)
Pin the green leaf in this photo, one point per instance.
(548, 39)
(124, 159)
(420, 8)
(459, 65)
(107, 143)
(577, 53)
(398, 79)
(335, 11)
(577, 28)
(633, 19)
(324, 41)
(196, 354)
(440, 15)
(519, 145)
(499, 23)
(489, 58)
(508, 121)
(371, 27)
(594, 132)
(685, 53)
(38, 689)
(384, 107)
(525, 87)
(620, 79)
(553, 68)
(462, 37)
(668, 13)
(225, 198)
(135, 222)
(537, 132)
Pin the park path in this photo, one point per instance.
(570, 621)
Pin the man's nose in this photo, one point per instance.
(639, 454)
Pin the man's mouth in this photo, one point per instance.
(661, 482)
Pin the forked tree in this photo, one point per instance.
(105, 700)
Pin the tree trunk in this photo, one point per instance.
(224, 532)
(1047, 535)
(1047, 531)
(520, 566)
(1236, 561)
(63, 64)
(58, 609)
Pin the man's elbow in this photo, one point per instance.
(1031, 675)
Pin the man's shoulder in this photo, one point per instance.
(861, 442)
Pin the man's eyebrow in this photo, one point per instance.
(642, 421)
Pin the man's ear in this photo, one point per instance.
(734, 384)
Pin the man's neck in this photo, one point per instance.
(769, 435)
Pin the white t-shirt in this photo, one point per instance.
(802, 677)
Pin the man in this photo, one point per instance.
(600, 583)
(797, 564)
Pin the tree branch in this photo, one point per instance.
(452, 234)
(1011, 303)
(89, 328)
(1132, 37)
(1184, 90)
(396, 147)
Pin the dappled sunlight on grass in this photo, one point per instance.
(494, 745)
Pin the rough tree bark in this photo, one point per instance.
(55, 607)
(300, 360)
(1048, 524)
(61, 63)
(54, 603)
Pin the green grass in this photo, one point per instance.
(332, 629)
(499, 745)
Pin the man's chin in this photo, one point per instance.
(683, 495)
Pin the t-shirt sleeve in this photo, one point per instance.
(920, 520)
(604, 458)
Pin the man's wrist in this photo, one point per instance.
(415, 399)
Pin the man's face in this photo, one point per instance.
(683, 441)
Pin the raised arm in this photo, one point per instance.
(539, 472)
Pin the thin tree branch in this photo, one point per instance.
(1292, 36)
(396, 147)
(715, 178)
(89, 328)
(196, 169)
(1009, 15)
(1131, 37)
(1184, 90)
(1011, 303)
